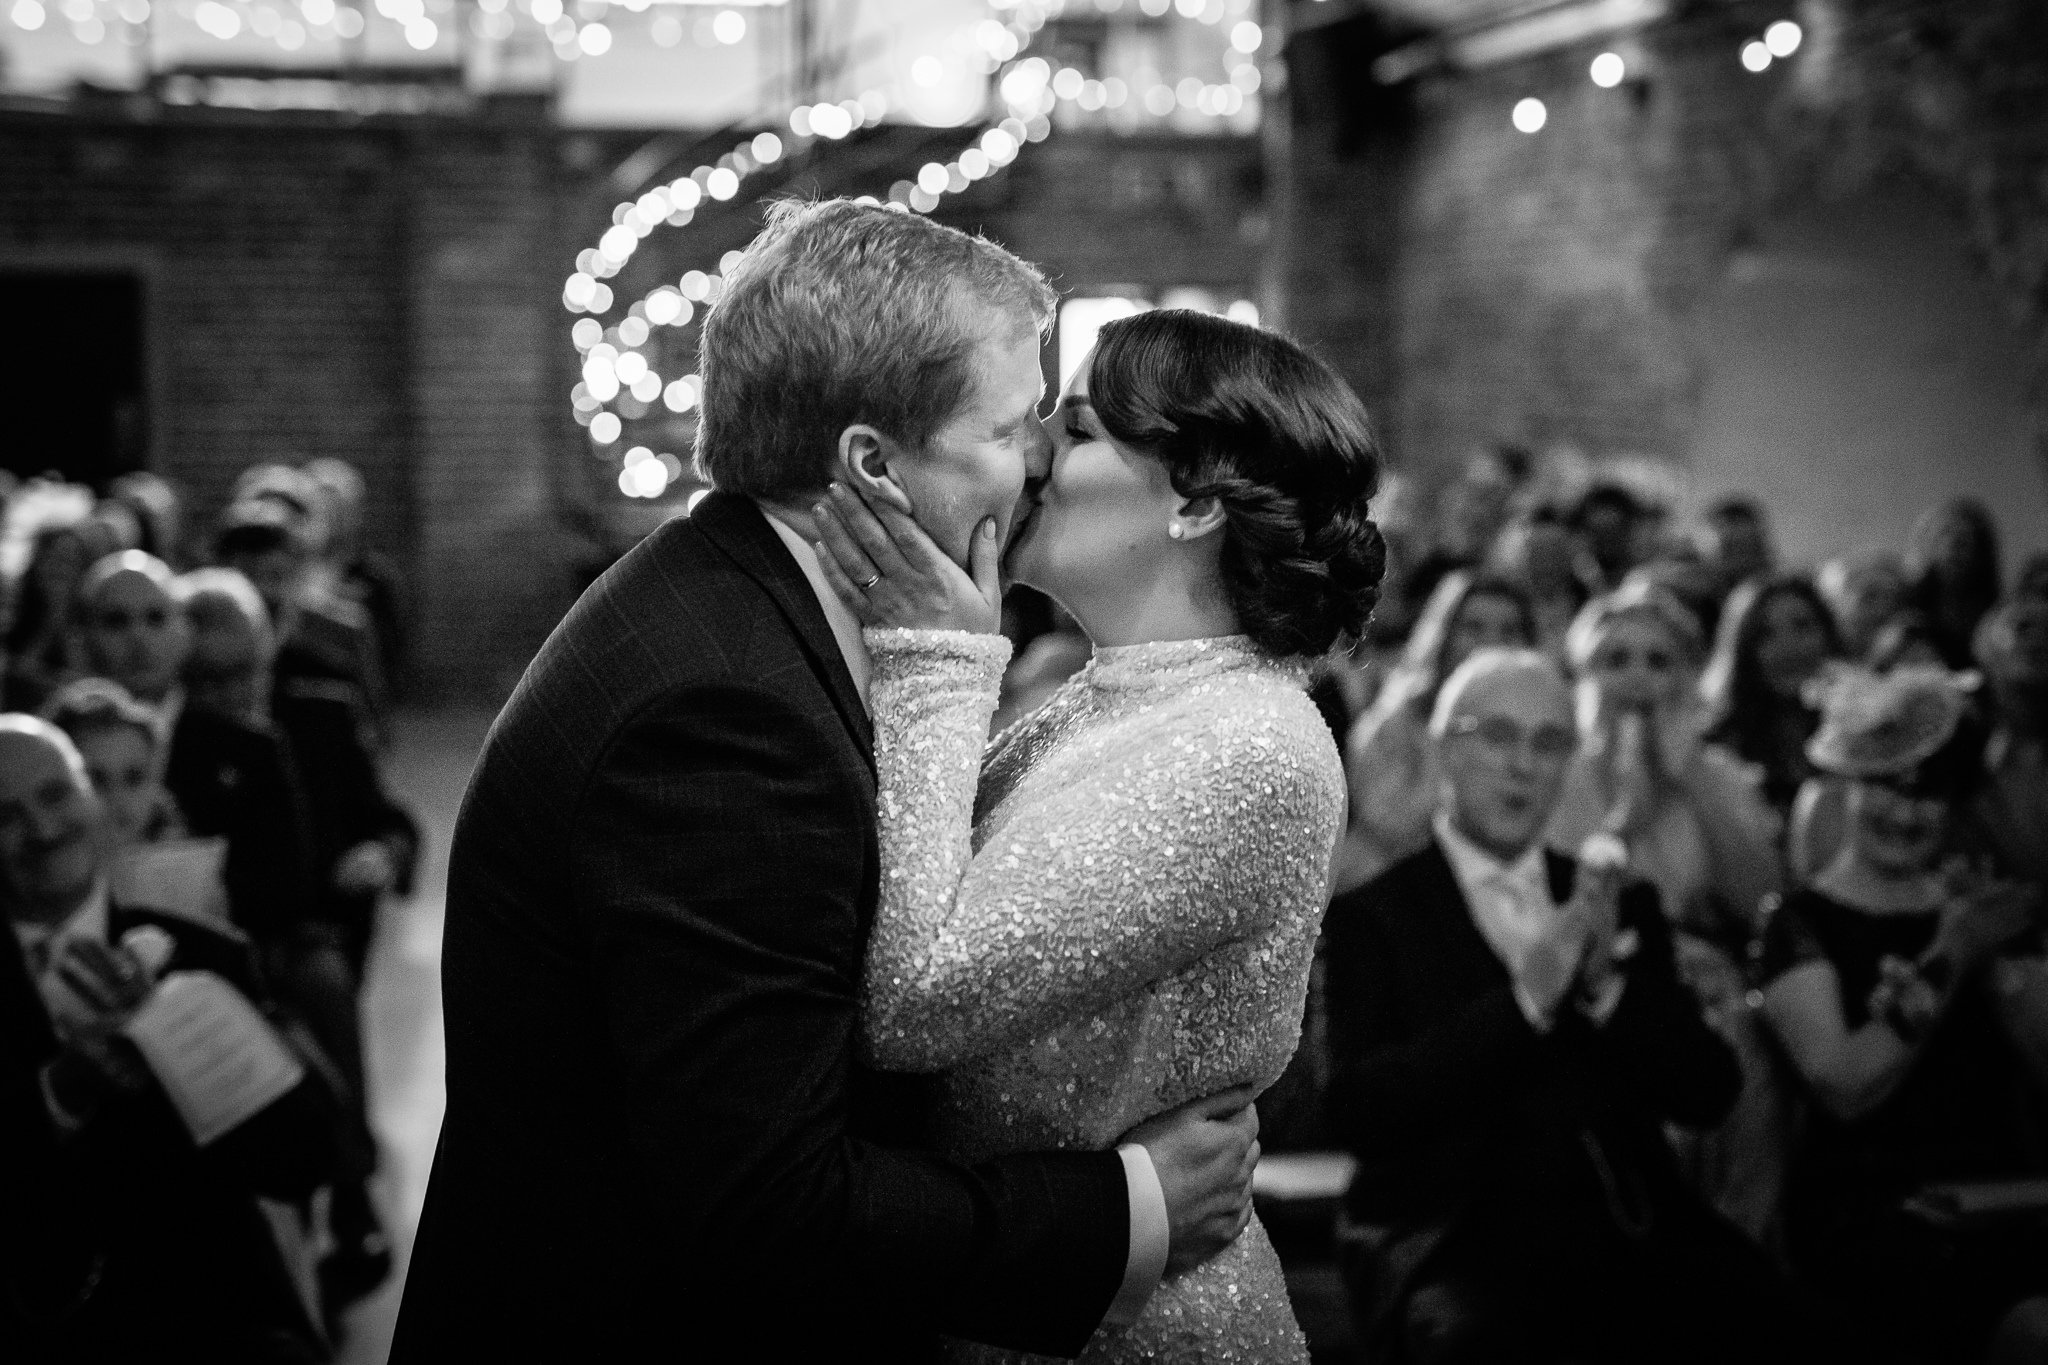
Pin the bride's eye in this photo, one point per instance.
(1077, 431)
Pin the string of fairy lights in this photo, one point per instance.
(620, 383)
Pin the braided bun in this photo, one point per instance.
(1249, 418)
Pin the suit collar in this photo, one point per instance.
(738, 529)
(1459, 946)
(1563, 871)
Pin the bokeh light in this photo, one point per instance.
(1530, 115)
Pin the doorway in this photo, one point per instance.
(74, 388)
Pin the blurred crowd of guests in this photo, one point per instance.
(1773, 1083)
(1683, 996)
(191, 725)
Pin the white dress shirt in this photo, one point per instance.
(1512, 908)
(1145, 1262)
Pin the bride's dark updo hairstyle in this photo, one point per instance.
(1249, 418)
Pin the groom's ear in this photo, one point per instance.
(868, 463)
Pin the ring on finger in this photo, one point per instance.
(869, 581)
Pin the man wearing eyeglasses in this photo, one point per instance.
(1508, 1038)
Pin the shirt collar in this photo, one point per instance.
(845, 626)
(1473, 866)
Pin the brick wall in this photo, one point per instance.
(1480, 284)
(379, 293)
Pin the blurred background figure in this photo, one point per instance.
(1900, 990)
(1735, 538)
(41, 641)
(1952, 573)
(128, 1235)
(1556, 572)
(1865, 591)
(1697, 827)
(1775, 634)
(1389, 757)
(351, 570)
(2010, 805)
(1609, 521)
(361, 846)
(272, 535)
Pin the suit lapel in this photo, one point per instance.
(743, 535)
(1460, 949)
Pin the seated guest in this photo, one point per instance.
(2011, 802)
(117, 738)
(1952, 573)
(1775, 634)
(157, 509)
(38, 647)
(131, 1240)
(1388, 756)
(364, 846)
(1735, 537)
(323, 640)
(1698, 829)
(354, 571)
(1610, 522)
(1864, 591)
(1508, 1039)
(1553, 568)
(1879, 986)
(230, 780)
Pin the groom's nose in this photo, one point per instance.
(1037, 457)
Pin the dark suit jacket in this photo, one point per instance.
(346, 800)
(658, 1143)
(236, 781)
(1457, 1107)
(124, 1241)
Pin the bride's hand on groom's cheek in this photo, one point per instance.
(889, 572)
(1204, 1154)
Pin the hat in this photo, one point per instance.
(1885, 724)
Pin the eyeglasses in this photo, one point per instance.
(1503, 737)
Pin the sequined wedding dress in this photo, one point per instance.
(1121, 921)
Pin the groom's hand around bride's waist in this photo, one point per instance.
(1204, 1152)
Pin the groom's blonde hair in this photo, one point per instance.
(841, 313)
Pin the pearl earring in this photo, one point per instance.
(1175, 529)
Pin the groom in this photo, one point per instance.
(660, 1143)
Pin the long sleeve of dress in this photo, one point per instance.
(1192, 832)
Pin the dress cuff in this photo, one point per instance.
(964, 645)
(1146, 1264)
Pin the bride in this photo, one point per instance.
(1111, 909)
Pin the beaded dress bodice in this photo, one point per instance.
(1123, 920)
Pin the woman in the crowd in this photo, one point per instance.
(2010, 805)
(40, 647)
(1696, 827)
(1388, 755)
(1864, 591)
(1775, 633)
(1883, 983)
(1952, 572)
(117, 736)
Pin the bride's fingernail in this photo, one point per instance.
(988, 528)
